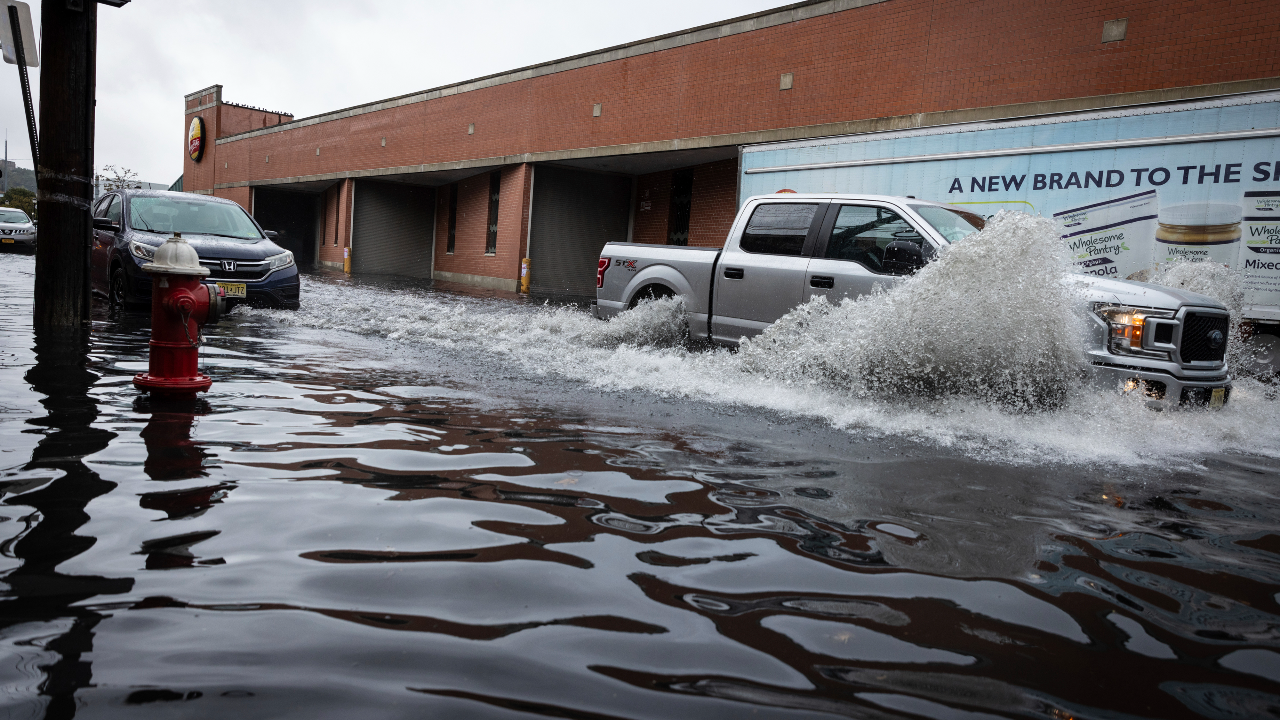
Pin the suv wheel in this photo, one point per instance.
(119, 292)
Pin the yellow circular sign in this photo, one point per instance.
(195, 139)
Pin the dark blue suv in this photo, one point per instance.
(128, 226)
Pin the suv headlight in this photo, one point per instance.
(283, 260)
(1128, 327)
(142, 251)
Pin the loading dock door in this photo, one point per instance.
(391, 230)
(292, 215)
(574, 214)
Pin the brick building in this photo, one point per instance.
(641, 141)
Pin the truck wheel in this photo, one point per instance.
(1261, 356)
(651, 292)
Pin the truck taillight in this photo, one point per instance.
(600, 268)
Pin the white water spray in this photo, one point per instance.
(953, 356)
(992, 318)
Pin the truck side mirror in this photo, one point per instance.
(902, 257)
(271, 234)
(105, 224)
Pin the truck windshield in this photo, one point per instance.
(14, 216)
(198, 217)
(952, 224)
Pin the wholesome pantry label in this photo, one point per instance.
(1259, 262)
(1113, 238)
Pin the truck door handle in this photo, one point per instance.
(733, 273)
(822, 281)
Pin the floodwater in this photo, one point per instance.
(405, 501)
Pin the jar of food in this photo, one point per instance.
(1198, 232)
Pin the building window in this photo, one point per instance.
(453, 218)
(678, 210)
(495, 190)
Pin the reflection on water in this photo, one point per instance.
(350, 527)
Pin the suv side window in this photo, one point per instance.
(100, 206)
(862, 232)
(778, 228)
(113, 212)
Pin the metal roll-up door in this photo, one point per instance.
(391, 229)
(574, 214)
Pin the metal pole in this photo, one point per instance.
(26, 89)
(64, 172)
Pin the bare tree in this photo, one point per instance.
(118, 178)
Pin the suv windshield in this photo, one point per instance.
(14, 216)
(952, 224)
(197, 217)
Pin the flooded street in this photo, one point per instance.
(403, 501)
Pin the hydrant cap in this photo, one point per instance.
(176, 257)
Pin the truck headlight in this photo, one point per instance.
(283, 260)
(142, 251)
(1128, 326)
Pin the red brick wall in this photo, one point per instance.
(893, 58)
(513, 208)
(236, 119)
(653, 202)
(200, 175)
(239, 195)
(715, 203)
(329, 225)
(473, 217)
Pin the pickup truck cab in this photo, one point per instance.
(787, 249)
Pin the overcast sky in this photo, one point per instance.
(310, 56)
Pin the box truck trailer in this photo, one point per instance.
(1130, 188)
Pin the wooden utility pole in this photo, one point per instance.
(64, 174)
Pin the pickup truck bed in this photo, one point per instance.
(637, 271)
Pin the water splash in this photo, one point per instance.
(992, 318)
(1222, 284)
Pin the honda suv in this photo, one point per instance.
(128, 226)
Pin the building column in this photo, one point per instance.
(526, 215)
(346, 209)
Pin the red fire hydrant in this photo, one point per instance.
(180, 304)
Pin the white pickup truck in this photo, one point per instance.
(784, 250)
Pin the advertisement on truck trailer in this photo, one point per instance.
(1130, 189)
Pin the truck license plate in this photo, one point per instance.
(7, 240)
(236, 290)
(1217, 399)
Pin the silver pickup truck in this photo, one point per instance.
(784, 250)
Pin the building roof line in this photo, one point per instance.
(251, 107)
(201, 93)
(805, 132)
(712, 31)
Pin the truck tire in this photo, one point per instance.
(651, 292)
(1261, 356)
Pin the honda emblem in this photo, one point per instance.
(229, 265)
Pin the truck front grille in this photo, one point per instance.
(1199, 342)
